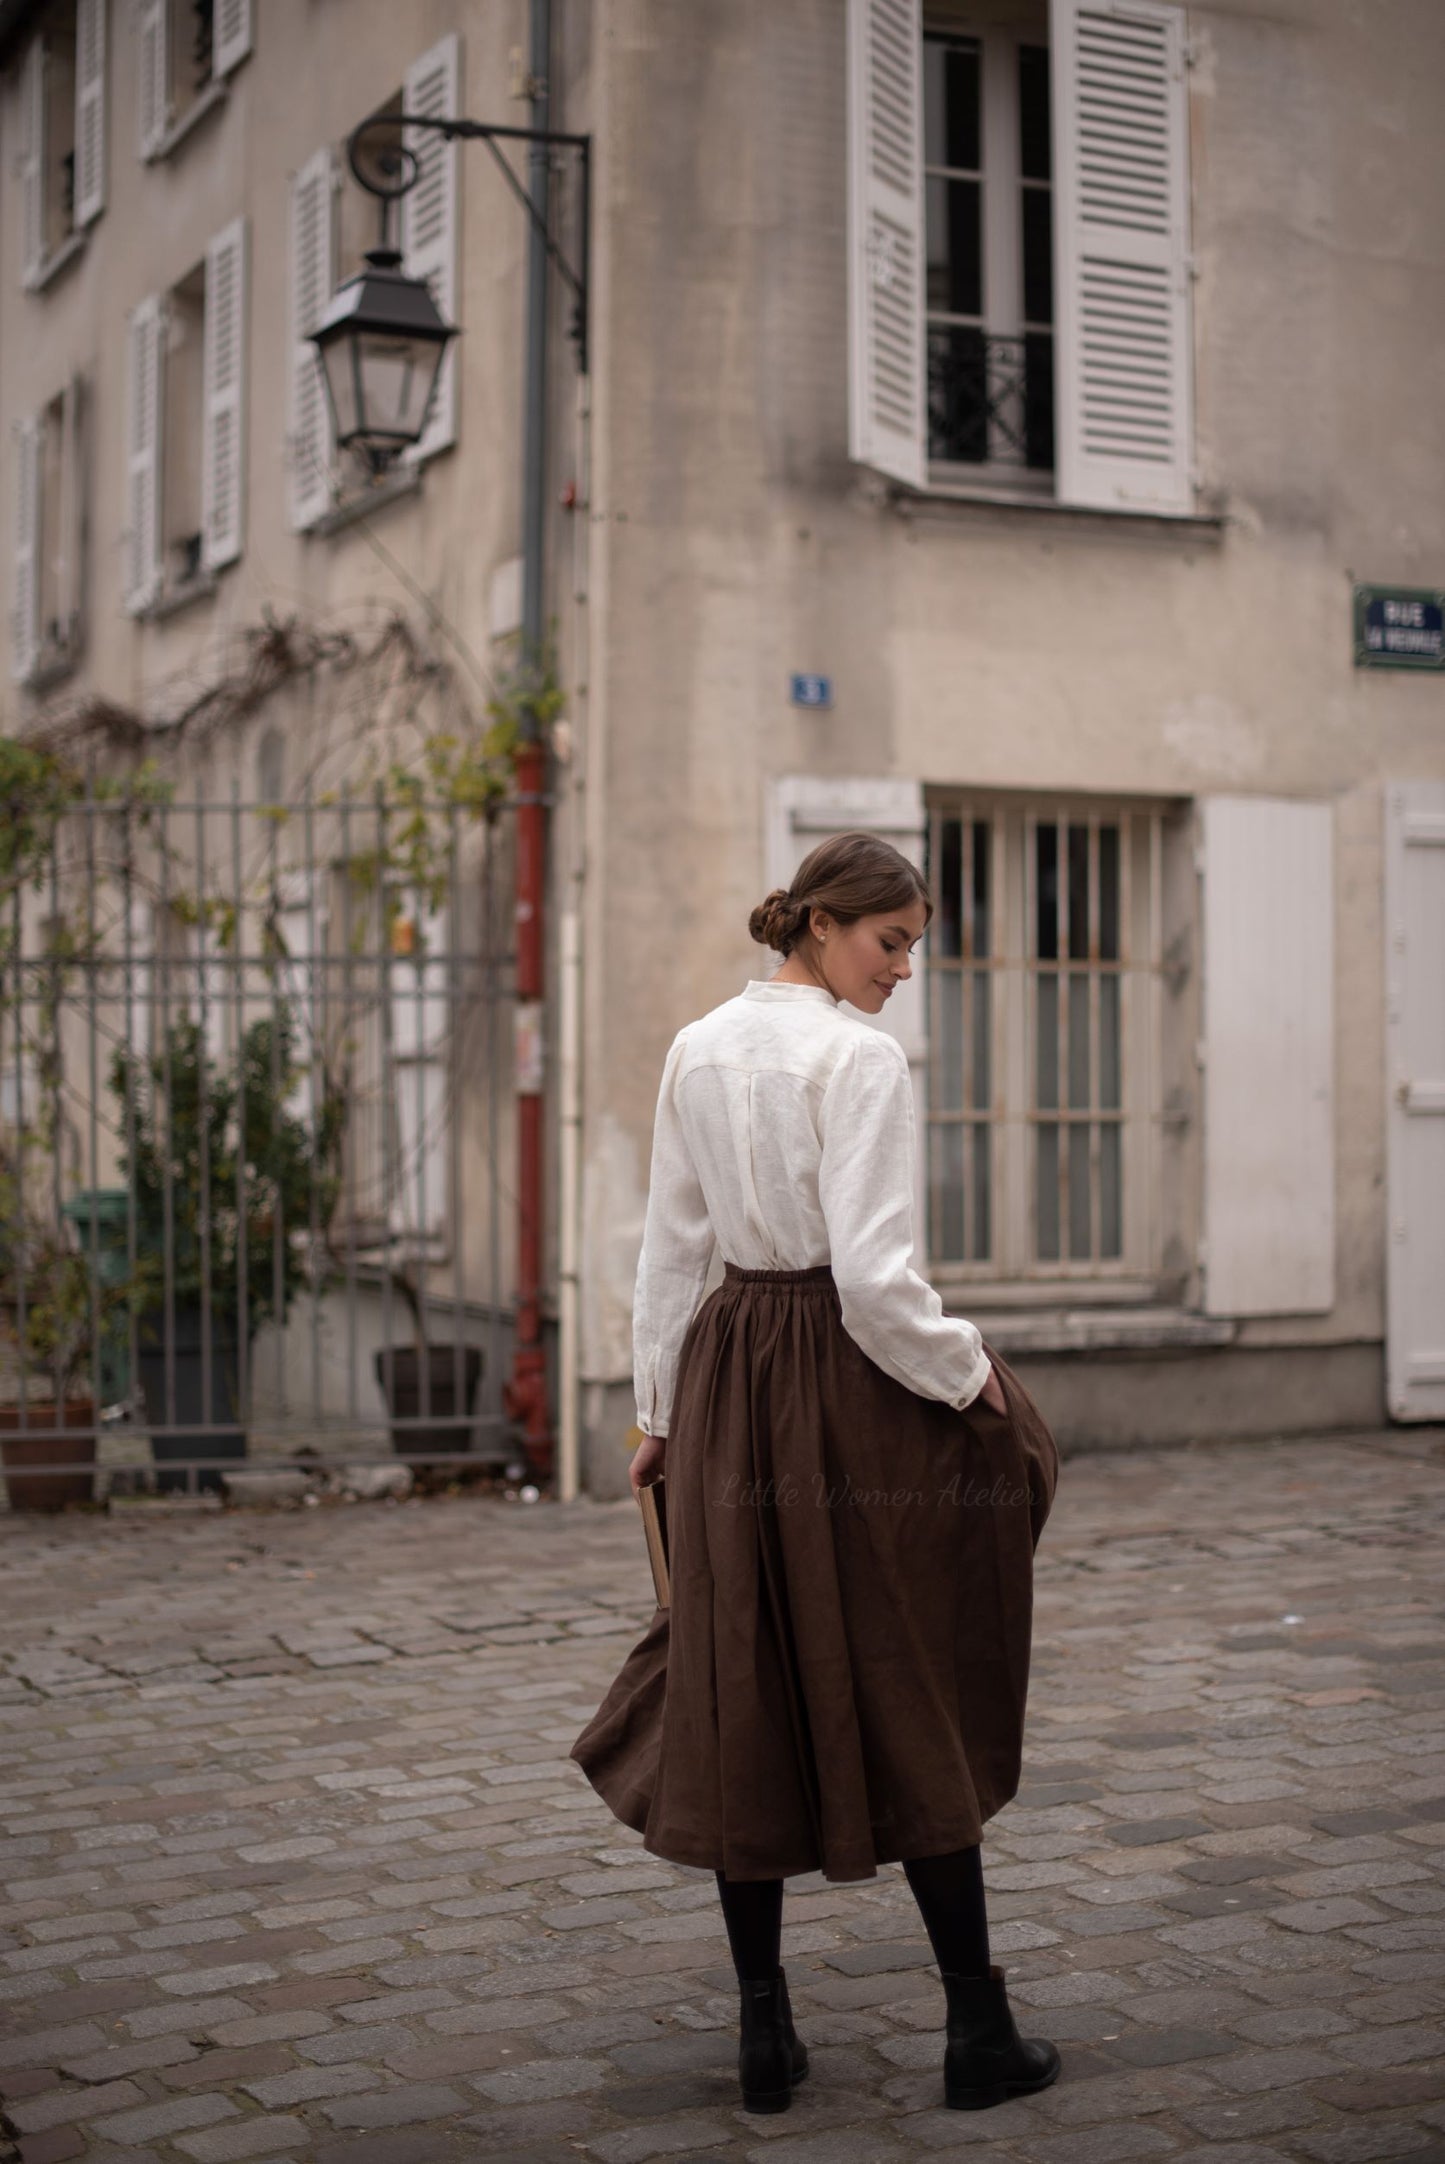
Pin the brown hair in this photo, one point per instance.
(851, 876)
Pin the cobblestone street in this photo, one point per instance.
(294, 1863)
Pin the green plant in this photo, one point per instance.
(52, 1311)
(248, 1179)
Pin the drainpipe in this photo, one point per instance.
(525, 1395)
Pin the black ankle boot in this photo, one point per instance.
(771, 2056)
(987, 2061)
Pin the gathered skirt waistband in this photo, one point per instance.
(817, 1279)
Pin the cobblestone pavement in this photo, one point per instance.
(294, 1863)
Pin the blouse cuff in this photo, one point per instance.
(982, 1369)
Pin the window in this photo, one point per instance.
(1043, 1021)
(185, 410)
(1018, 240)
(48, 590)
(186, 51)
(62, 133)
(988, 224)
(332, 224)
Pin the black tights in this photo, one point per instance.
(948, 1890)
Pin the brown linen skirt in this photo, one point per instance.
(841, 1677)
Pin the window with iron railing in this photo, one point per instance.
(1043, 966)
(988, 196)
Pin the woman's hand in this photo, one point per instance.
(647, 1460)
(991, 1394)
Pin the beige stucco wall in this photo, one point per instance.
(1011, 648)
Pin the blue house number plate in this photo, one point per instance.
(812, 691)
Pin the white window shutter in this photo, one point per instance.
(25, 594)
(1268, 1052)
(145, 405)
(224, 373)
(420, 1018)
(887, 361)
(153, 73)
(1414, 961)
(32, 159)
(1123, 366)
(89, 110)
(429, 215)
(803, 810)
(232, 35)
(313, 279)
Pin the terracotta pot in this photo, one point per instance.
(48, 1491)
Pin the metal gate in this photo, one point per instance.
(256, 1071)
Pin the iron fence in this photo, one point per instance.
(256, 1115)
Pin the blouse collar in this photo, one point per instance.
(769, 988)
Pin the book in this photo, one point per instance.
(653, 1504)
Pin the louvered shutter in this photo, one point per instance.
(429, 235)
(89, 110)
(32, 158)
(417, 1204)
(313, 277)
(144, 408)
(1123, 366)
(25, 601)
(1414, 960)
(886, 359)
(153, 74)
(232, 35)
(224, 371)
(1269, 1055)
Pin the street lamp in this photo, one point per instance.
(381, 343)
(382, 340)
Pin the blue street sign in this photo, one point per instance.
(1399, 627)
(812, 691)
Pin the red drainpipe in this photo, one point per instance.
(525, 1393)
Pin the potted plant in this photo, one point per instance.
(48, 1312)
(226, 1183)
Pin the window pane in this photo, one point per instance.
(1046, 1195)
(1109, 1098)
(1039, 401)
(951, 111)
(1078, 893)
(982, 1194)
(1046, 879)
(957, 395)
(946, 1062)
(982, 865)
(1079, 1243)
(1078, 1042)
(982, 1043)
(944, 931)
(1111, 1198)
(1109, 894)
(1046, 1075)
(945, 1206)
(1038, 217)
(955, 247)
(1035, 145)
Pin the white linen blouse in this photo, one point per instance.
(785, 1136)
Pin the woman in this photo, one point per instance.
(855, 1487)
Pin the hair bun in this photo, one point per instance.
(774, 923)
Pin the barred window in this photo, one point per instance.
(1042, 975)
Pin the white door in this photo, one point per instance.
(1415, 1108)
